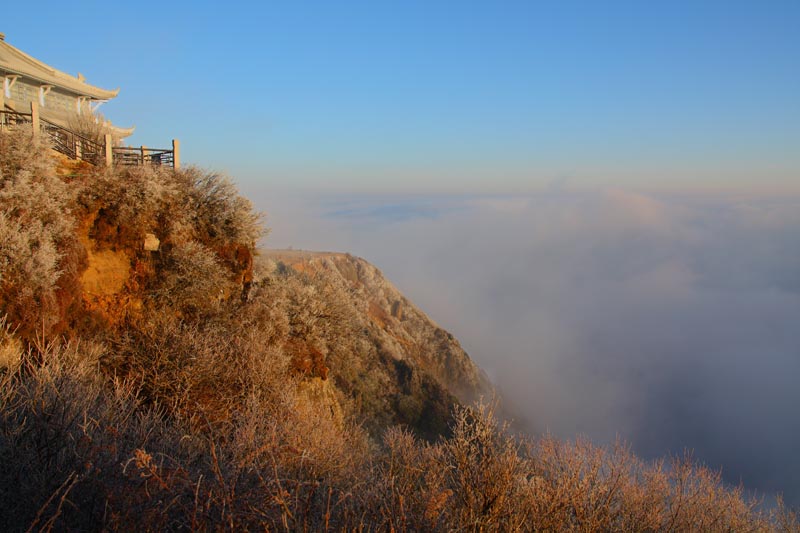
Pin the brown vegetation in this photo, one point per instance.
(84, 452)
(179, 390)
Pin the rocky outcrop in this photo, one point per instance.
(156, 267)
(417, 353)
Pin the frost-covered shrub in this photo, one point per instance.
(178, 206)
(193, 279)
(130, 202)
(93, 126)
(20, 152)
(29, 272)
(39, 253)
(222, 216)
(206, 230)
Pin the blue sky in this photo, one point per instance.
(498, 97)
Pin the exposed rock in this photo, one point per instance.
(106, 273)
(151, 243)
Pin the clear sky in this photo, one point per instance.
(495, 96)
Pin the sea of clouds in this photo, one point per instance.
(671, 321)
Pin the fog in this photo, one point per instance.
(670, 321)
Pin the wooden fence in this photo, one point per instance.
(77, 146)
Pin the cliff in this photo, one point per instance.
(143, 260)
(397, 362)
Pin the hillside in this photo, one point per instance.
(135, 249)
(158, 373)
(395, 323)
(411, 352)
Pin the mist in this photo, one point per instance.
(669, 321)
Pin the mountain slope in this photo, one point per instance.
(413, 363)
(138, 258)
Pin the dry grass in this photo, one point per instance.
(91, 125)
(85, 451)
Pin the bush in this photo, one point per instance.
(92, 126)
(83, 452)
(47, 227)
(193, 279)
(39, 254)
(223, 217)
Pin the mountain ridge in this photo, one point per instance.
(405, 324)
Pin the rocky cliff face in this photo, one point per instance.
(378, 348)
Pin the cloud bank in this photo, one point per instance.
(672, 322)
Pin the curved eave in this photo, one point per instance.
(18, 62)
(122, 132)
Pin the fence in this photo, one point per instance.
(130, 155)
(11, 119)
(72, 144)
(77, 146)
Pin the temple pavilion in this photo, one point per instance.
(62, 99)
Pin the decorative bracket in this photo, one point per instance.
(43, 90)
(8, 83)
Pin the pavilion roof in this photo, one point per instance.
(18, 62)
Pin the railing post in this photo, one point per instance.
(143, 150)
(109, 151)
(176, 154)
(35, 117)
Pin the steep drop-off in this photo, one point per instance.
(144, 260)
(398, 363)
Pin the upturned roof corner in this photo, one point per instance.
(15, 61)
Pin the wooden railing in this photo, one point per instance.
(133, 156)
(10, 119)
(77, 146)
(72, 144)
